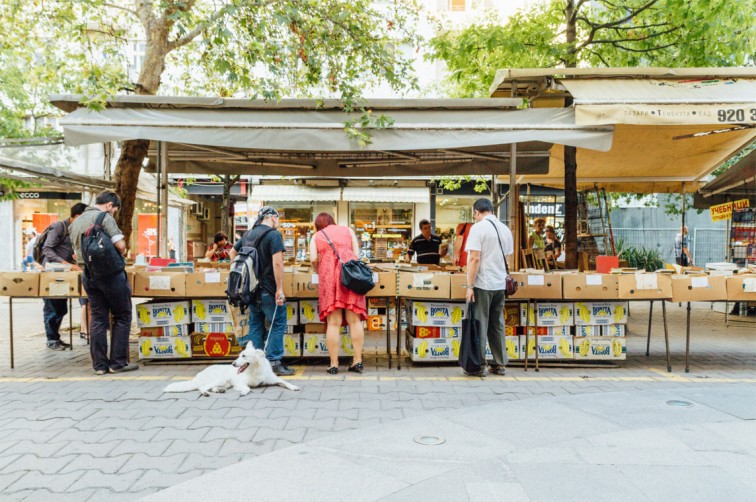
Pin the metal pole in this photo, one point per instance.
(682, 229)
(513, 199)
(666, 335)
(164, 200)
(609, 221)
(158, 194)
(687, 341)
(10, 318)
(650, 317)
(388, 329)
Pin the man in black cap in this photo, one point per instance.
(269, 303)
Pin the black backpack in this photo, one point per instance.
(101, 258)
(37, 253)
(244, 278)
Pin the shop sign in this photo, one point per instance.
(724, 211)
(49, 195)
(546, 209)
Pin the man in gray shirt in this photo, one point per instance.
(57, 249)
(106, 298)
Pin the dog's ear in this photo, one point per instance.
(249, 345)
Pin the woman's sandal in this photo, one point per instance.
(357, 368)
(332, 370)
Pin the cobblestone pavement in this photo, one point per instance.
(68, 434)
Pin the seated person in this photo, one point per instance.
(553, 245)
(220, 248)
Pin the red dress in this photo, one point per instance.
(332, 294)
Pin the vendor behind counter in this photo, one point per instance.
(426, 246)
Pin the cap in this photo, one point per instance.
(265, 212)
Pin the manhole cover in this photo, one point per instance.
(683, 404)
(429, 440)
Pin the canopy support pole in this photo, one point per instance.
(682, 229)
(158, 193)
(163, 184)
(513, 198)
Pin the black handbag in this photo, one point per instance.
(355, 275)
(469, 347)
(510, 286)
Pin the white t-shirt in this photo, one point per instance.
(492, 274)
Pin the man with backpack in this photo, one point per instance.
(268, 302)
(100, 246)
(54, 246)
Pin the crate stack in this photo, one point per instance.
(314, 337)
(549, 324)
(434, 330)
(600, 329)
(214, 334)
(164, 329)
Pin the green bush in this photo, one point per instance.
(640, 257)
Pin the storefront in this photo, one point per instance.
(36, 211)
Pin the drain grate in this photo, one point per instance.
(429, 440)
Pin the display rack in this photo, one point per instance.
(742, 243)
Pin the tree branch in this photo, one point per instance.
(650, 49)
(618, 22)
(601, 58)
(647, 37)
(191, 35)
(125, 9)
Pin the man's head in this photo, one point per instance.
(482, 208)
(108, 201)
(77, 209)
(539, 224)
(550, 233)
(268, 216)
(425, 228)
(684, 230)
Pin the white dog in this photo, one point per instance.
(250, 369)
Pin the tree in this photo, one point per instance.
(257, 48)
(569, 33)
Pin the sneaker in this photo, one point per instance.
(65, 345)
(482, 374)
(281, 370)
(122, 369)
(55, 345)
(497, 370)
(101, 372)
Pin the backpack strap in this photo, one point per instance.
(498, 238)
(253, 242)
(332, 247)
(100, 218)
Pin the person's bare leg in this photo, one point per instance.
(357, 332)
(84, 320)
(332, 337)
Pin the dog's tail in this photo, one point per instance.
(181, 386)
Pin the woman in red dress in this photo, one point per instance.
(337, 303)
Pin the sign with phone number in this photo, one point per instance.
(724, 211)
(643, 114)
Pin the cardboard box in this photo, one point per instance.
(433, 349)
(170, 347)
(215, 345)
(314, 345)
(549, 347)
(19, 284)
(444, 315)
(613, 330)
(600, 313)
(644, 286)
(699, 288)
(549, 314)
(163, 331)
(434, 332)
(302, 285)
(308, 312)
(214, 327)
(458, 286)
(742, 288)
(380, 303)
(512, 346)
(160, 284)
(538, 286)
(211, 311)
(589, 287)
(59, 284)
(582, 331)
(207, 284)
(608, 348)
(378, 322)
(385, 284)
(424, 285)
(512, 314)
(162, 314)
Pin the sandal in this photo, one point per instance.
(357, 368)
(332, 370)
(83, 336)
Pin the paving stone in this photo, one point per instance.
(155, 448)
(119, 482)
(53, 482)
(107, 465)
(294, 435)
(94, 449)
(45, 465)
(246, 449)
(195, 461)
(126, 496)
(155, 479)
(170, 433)
(8, 479)
(323, 424)
(242, 434)
(163, 463)
(205, 448)
(39, 449)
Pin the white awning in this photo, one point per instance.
(663, 102)
(295, 193)
(367, 194)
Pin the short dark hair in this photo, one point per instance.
(77, 209)
(107, 196)
(483, 206)
(220, 236)
(423, 222)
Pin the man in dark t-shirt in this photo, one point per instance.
(426, 245)
(269, 303)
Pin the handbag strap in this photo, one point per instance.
(498, 239)
(332, 247)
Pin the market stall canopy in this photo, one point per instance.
(738, 182)
(308, 138)
(299, 193)
(673, 126)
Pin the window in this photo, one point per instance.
(457, 5)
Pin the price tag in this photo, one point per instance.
(749, 284)
(422, 281)
(593, 280)
(375, 277)
(536, 280)
(699, 282)
(315, 279)
(59, 288)
(646, 281)
(212, 277)
(160, 282)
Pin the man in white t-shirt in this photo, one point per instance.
(487, 245)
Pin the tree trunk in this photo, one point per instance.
(227, 184)
(570, 154)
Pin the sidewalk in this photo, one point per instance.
(71, 435)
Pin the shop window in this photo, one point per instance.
(383, 229)
(457, 5)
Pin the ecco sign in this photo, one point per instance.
(28, 195)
